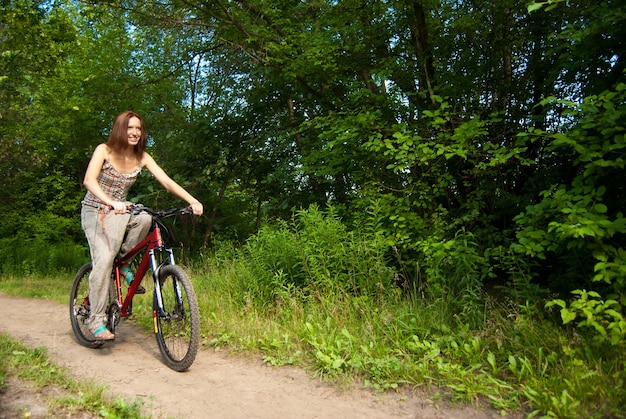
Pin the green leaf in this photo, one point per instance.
(601, 208)
(534, 7)
(559, 303)
(567, 315)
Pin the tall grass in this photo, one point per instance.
(515, 361)
(311, 293)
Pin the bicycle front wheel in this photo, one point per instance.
(177, 320)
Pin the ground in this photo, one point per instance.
(217, 385)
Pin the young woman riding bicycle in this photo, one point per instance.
(112, 171)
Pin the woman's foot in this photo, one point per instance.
(128, 276)
(102, 333)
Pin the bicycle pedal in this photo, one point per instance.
(140, 288)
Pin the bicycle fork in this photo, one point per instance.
(156, 268)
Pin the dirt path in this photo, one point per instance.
(216, 385)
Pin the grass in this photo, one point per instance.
(76, 398)
(321, 297)
(516, 361)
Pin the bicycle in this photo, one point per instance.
(176, 319)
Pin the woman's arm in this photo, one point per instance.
(169, 184)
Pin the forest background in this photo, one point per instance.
(465, 157)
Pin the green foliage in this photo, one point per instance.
(604, 317)
(583, 221)
(315, 254)
(21, 256)
(441, 220)
(513, 358)
(388, 107)
(426, 130)
(434, 197)
(508, 354)
(550, 4)
(455, 271)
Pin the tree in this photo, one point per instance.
(411, 113)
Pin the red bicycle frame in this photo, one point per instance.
(151, 243)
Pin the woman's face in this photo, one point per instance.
(133, 131)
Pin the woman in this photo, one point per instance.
(112, 170)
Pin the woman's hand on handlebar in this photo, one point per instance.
(119, 207)
(196, 208)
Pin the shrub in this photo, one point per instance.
(23, 256)
(316, 252)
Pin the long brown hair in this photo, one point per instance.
(119, 133)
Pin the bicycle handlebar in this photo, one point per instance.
(136, 209)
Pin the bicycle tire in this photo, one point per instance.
(79, 308)
(177, 328)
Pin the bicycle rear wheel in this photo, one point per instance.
(177, 326)
(80, 309)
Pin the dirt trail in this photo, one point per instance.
(216, 385)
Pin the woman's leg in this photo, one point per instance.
(137, 230)
(104, 232)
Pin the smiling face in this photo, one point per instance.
(133, 131)
(128, 132)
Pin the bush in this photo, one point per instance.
(20, 256)
(583, 221)
(316, 252)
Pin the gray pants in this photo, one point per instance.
(105, 232)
